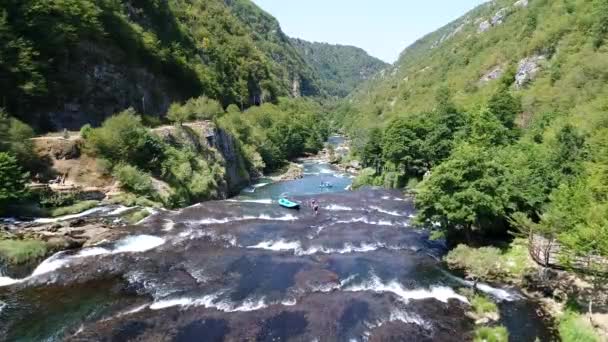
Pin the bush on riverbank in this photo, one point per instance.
(75, 208)
(491, 334)
(492, 264)
(21, 251)
(574, 328)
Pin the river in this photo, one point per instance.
(246, 269)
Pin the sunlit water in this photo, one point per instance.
(247, 269)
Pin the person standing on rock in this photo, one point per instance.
(315, 206)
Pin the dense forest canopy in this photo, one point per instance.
(61, 56)
(340, 68)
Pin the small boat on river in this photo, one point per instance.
(285, 203)
(326, 185)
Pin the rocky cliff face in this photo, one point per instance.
(236, 172)
(100, 82)
(206, 137)
(71, 170)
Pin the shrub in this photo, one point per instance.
(85, 131)
(482, 305)
(200, 108)
(478, 263)
(491, 334)
(75, 208)
(12, 180)
(133, 180)
(573, 328)
(119, 139)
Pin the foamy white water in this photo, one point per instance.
(131, 244)
(69, 217)
(6, 281)
(296, 247)
(279, 245)
(375, 284)
(137, 244)
(388, 212)
(367, 221)
(260, 201)
(336, 207)
(264, 217)
(169, 225)
(260, 185)
(500, 294)
(211, 301)
(51, 264)
(121, 209)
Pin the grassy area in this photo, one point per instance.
(573, 327)
(73, 209)
(515, 259)
(22, 251)
(482, 306)
(491, 334)
(137, 216)
(131, 200)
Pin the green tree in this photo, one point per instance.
(122, 138)
(371, 155)
(403, 146)
(465, 193)
(505, 107)
(12, 180)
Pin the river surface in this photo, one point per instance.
(247, 270)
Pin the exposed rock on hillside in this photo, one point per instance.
(499, 17)
(484, 26)
(493, 74)
(527, 70)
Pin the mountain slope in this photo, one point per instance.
(340, 68)
(555, 48)
(72, 62)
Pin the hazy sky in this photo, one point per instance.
(382, 27)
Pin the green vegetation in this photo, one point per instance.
(491, 334)
(231, 51)
(200, 108)
(75, 208)
(574, 328)
(478, 263)
(137, 216)
(12, 180)
(269, 135)
(180, 169)
(135, 154)
(340, 68)
(22, 251)
(483, 306)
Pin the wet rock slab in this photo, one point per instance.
(239, 271)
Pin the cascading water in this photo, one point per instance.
(247, 269)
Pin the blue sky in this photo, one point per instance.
(382, 27)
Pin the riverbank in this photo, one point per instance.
(562, 296)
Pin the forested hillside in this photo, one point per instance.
(498, 122)
(70, 62)
(340, 68)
